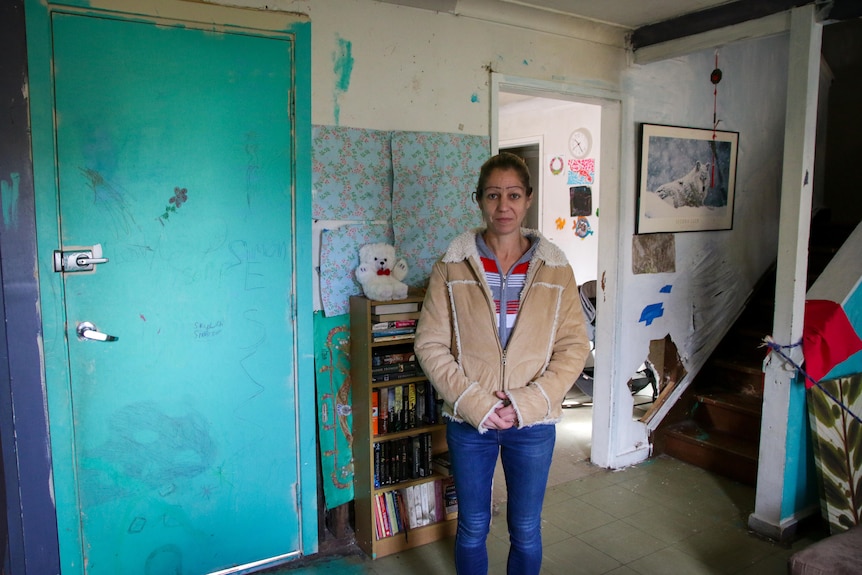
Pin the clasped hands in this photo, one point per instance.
(503, 417)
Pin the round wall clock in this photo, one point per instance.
(580, 142)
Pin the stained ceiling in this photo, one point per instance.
(625, 13)
(655, 21)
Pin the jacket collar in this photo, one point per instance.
(463, 247)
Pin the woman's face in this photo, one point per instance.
(504, 202)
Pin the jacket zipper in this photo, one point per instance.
(503, 372)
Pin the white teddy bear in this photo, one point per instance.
(379, 274)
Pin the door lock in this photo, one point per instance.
(78, 260)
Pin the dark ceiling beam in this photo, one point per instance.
(844, 10)
(711, 19)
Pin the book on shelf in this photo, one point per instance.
(384, 358)
(411, 405)
(394, 424)
(426, 496)
(387, 317)
(394, 376)
(398, 406)
(378, 525)
(441, 464)
(378, 465)
(391, 513)
(426, 451)
(394, 324)
(402, 512)
(382, 516)
(412, 499)
(398, 506)
(450, 497)
(406, 366)
(397, 337)
(434, 406)
(403, 469)
(422, 403)
(375, 335)
(439, 507)
(383, 411)
(396, 307)
(416, 459)
(375, 412)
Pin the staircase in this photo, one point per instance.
(716, 423)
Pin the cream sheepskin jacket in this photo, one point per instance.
(458, 347)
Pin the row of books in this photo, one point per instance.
(394, 322)
(402, 459)
(382, 357)
(401, 510)
(392, 333)
(405, 406)
(396, 371)
(393, 326)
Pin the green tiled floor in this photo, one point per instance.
(660, 517)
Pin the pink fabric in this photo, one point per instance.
(828, 338)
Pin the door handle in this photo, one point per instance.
(82, 260)
(86, 330)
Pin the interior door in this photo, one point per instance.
(173, 147)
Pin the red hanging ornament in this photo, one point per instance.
(715, 78)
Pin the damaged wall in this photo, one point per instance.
(715, 270)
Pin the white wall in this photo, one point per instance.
(553, 121)
(425, 71)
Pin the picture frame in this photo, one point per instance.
(687, 179)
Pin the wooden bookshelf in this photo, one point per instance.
(362, 348)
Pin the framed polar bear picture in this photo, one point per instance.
(687, 179)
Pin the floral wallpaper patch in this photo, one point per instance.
(351, 174)
(339, 258)
(434, 178)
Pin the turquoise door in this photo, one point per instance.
(176, 161)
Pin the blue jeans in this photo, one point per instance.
(526, 455)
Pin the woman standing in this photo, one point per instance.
(502, 339)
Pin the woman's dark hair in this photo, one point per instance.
(503, 161)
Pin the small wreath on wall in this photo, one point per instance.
(557, 165)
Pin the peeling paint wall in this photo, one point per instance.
(715, 271)
(418, 70)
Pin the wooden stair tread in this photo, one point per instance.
(740, 402)
(752, 356)
(735, 365)
(690, 432)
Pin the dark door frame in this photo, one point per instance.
(28, 541)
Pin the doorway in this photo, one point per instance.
(555, 137)
(593, 134)
(530, 153)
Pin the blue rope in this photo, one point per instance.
(777, 348)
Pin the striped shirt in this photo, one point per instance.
(505, 288)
